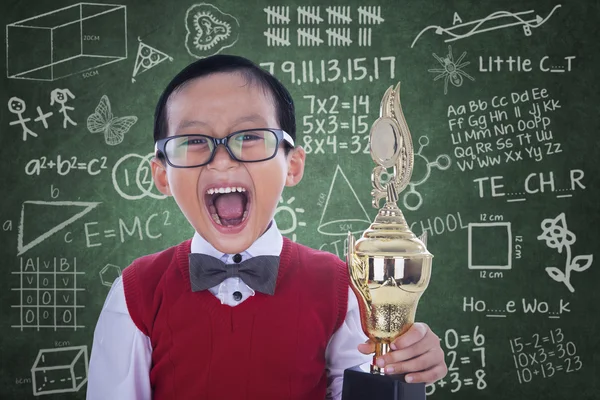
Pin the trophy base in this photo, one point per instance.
(363, 385)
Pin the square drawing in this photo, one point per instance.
(490, 245)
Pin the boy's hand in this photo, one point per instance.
(416, 353)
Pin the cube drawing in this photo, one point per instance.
(59, 370)
(66, 41)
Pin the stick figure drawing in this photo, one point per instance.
(61, 96)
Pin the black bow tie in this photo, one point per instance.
(260, 273)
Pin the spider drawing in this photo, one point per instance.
(452, 70)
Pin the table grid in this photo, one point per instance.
(47, 296)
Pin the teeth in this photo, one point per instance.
(226, 190)
(216, 218)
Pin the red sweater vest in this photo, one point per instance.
(268, 347)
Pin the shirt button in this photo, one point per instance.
(237, 296)
(237, 258)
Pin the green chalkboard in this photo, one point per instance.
(501, 99)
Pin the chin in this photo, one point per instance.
(234, 244)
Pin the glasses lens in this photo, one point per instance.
(253, 145)
(187, 151)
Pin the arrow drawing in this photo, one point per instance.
(514, 17)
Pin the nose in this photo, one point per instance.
(222, 160)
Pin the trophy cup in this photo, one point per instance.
(389, 266)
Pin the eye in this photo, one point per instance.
(194, 141)
(249, 136)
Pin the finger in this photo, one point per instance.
(423, 362)
(367, 348)
(429, 376)
(416, 332)
(428, 342)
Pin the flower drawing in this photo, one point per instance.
(557, 236)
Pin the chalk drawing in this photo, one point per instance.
(308, 15)
(61, 96)
(109, 273)
(147, 58)
(338, 15)
(355, 218)
(48, 293)
(412, 200)
(17, 106)
(277, 15)
(277, 36)
(277, 31)
(23, 247)
(364, 36)
(43, 116)
(452, 71)
(209, 30)
(309, 37)
(486, 228)
(370, 15)
(66, 41)
(133, 168)
(442, 162)
(557, 236)
(474, 27)
(284, 213)
(114, 128)
(59, 370)
(338, 36)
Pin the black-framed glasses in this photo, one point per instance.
(248, 145)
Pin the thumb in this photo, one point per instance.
(367, 348)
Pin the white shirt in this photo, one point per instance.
(122, 355)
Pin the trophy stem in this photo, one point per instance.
(380, 349)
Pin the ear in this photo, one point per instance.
(295, 161)
(52, 97)
(71, 95)
(159, 174)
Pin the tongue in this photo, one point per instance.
(230, 206)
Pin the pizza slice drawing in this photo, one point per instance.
(147, 58)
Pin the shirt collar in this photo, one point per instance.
(269, 243)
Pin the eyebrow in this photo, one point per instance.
(247, 118)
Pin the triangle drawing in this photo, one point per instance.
(46, 209)
(343, 211)
(147, 57)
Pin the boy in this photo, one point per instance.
(238, 311)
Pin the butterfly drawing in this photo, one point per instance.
(102, 120)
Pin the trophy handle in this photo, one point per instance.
(358, 274)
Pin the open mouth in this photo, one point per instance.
(228, 206)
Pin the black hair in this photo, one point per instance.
(284, 105)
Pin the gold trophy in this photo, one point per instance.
(389, 266)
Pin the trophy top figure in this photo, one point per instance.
(391, 147)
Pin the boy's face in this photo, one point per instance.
(217, 105)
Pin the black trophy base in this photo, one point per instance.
(363, 385)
